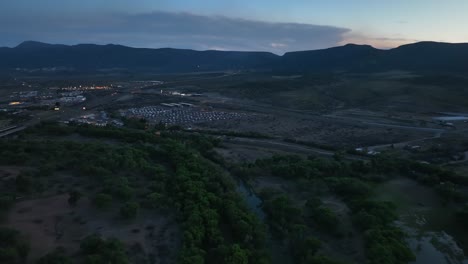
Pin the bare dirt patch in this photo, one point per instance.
(239, 153)
(9, 172)
(327, 131)
(264, 182)
(51, 222)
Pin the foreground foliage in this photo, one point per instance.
(139, 170)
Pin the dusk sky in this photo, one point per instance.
(267, 25)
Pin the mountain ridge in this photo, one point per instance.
(420, 56)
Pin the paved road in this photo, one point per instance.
(12, 131)
(426, 129)
(403, 143)
(226, 74)
(465, 159)
(437, 132)
(288, 147)
(44, 116)
(366, 122)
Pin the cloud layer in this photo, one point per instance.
(165, 29)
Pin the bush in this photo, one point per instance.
(57, 256)
(102, 200)
(322, 216)
(303, 250)
(155, 200)
(449, 192)
(129, 210)
(325, 219)
(282, 214)
(97, 250)
(24, 183)
(387, 246)
(6, 201)
(462, 215)
(123, 192)
(237, 255)
(13, 249)
(74, 197)
(372, 213)
(349, 187)
(322, 260)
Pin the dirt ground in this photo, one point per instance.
(52, 222)
(240, 153)
(9, 172)
(270, 182)
(319, 130)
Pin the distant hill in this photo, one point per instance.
(428, 56)
(89, 56)
(422, 56)
(418, 57)
(344, 58)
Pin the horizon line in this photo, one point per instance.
(224, 50)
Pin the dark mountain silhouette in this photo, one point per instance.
(422, 56)
(418, 57)
(428, 56)
(89, 56)
(348, 57)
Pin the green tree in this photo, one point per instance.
(303, 250)
(237, 255)
(58, 256)
(155, 200)
(322, 260)
(326, 219)
(102, 251)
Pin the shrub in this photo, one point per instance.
(102, 200)
(129, 210)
